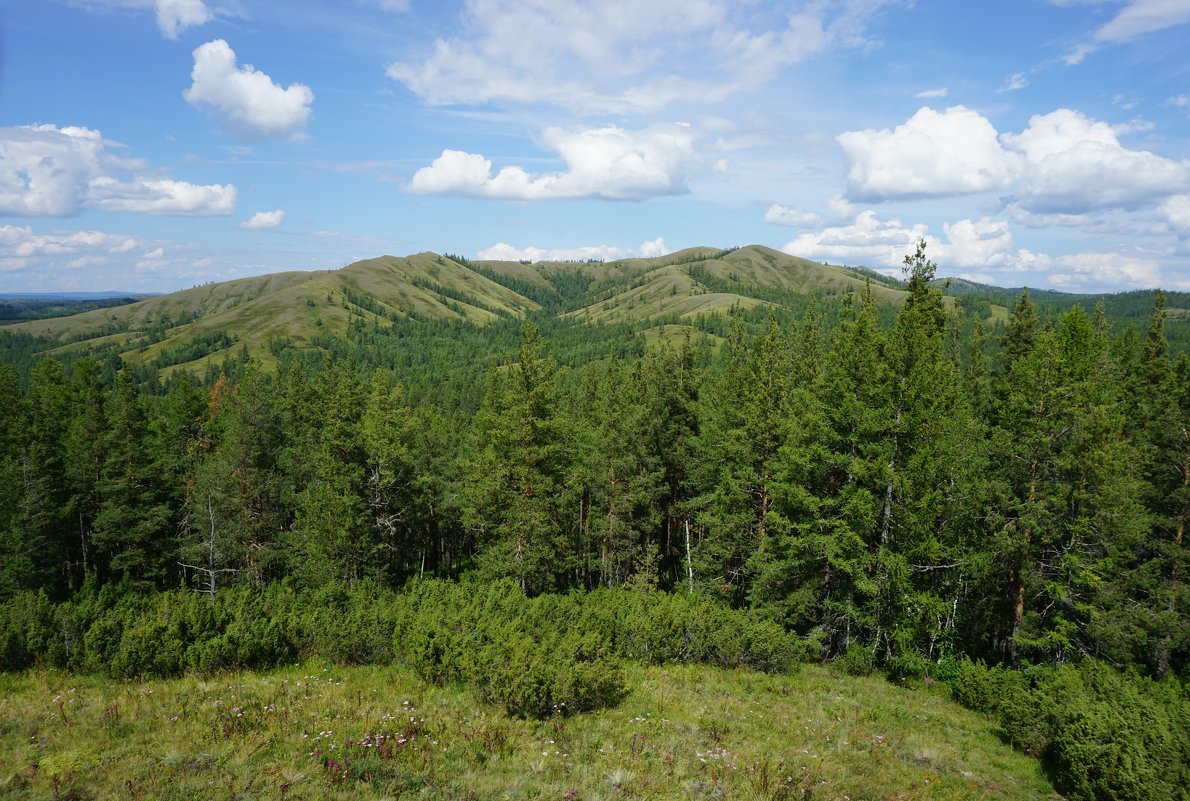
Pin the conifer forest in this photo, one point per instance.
(910, 490)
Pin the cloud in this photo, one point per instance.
(866, 240)
(931, 94)
(611, 163)
(934, 153)
(1137, 18)
(21, 248)
(1176, 211)
(1144, 16)
(245, 100)
(983, 250)
(1063, 162)
(503, 251)
(163, 196)
(263, 219)
(1014, 82)
(1080, 271)
(982, 243)
(783, 215)
(152, 261)
(49, 171)
(173, 16)
(1071, 164)
(841, 207)
(611, 56)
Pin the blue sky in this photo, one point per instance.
(160, 144)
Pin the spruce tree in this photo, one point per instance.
(133, 535)
(514, 482)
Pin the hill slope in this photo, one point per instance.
(320, 733)
(194, 326)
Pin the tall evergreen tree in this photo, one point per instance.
(132, 529)
(16, 559)
(84, 458)
(514, 486)
(622, 478)
(1067, 504)
(747, 412)
(331, 537)
(234, 511)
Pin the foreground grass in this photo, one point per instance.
(376, 732)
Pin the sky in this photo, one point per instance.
(155, 145)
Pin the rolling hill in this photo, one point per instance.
(659, 295)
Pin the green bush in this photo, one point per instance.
(514, 651)
(857, 660)
(535, 656)
(1103, 734)
(26, 630)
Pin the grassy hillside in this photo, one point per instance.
(188, 329)
(296, 307)
(315, 732)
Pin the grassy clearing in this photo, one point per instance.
(314, 732)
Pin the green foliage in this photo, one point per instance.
(1104, 734)
(894, 487)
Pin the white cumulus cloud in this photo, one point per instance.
(793, 218)
(983, 250)
(49, 171)
(866, 240)
(1082, 271)
(21, 249)
(981, 243)
(952, 152)
(263, 219)
(244, 99)
(1063, 162)
(502, 251)
(1072, 164)
(609, 162)
(163, 196)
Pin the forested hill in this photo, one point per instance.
(889, 478)
(656, 297)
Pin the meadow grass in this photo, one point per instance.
(327, 732)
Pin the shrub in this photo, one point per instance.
(1103, 734)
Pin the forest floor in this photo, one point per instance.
(326, 732)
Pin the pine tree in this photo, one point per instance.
(234, 508)
(16, 560)
(747, 411)
(331, 537)
(398, 497)
(1067, 500)
(622, 477)
(132, 529)
(1149, 594)
(835, 549)
(84, 457)
(514, 484)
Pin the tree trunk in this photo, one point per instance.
(689, 563)
(1018, 614)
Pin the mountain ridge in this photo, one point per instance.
(192, 326)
